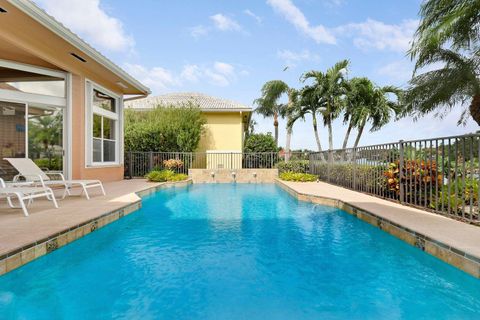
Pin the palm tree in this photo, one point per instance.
(371, 104)
(292, 110)
(457, 82)
(307, 104)
(330, 90)
(448, 35)
(268, 105)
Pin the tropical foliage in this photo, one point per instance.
(260, 142)
(329, 95)
(297, 177)
(166, 129)
(268, 104)
(446, 40)
(297, 166)
(165, 175)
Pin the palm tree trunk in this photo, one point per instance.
(287, 144)
(347, 135)
(475, 109)
(345, 141)
(330, 141)
(359, 135)
(275, 125)
(317, 138)
(315, 131)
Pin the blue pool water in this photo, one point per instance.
(237, 252)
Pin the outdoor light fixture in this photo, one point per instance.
(78, 57)
(254, 174)
(212, 174)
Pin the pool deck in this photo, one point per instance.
(23, 239)
(452, 241)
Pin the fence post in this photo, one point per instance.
(150, 161)
(354, 168)
(401, 173)
(130, 164)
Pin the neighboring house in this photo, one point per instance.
(227, 121)
(61, 101)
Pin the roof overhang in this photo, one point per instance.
(99, 63)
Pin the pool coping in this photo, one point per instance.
(443, 251)
(34, 250)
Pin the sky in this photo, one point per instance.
(229, 49)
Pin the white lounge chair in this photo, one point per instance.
(23, 193)
(32, 173)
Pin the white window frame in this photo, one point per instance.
(117, 116)
(39, 99)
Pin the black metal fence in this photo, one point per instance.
(138, 164)
(441, 174)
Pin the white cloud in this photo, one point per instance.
(399, 72)
(90, 21)
(292, 14)
(221, 74)
(199, 31)
(253, 15)
(334, 3)
(159, 79)
(292, 58)
(223, 68)
(191, 72)
(379, 35)
(224, 23)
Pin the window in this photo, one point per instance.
(104, 127)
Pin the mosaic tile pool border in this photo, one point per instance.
(21, 256)
(442, 251)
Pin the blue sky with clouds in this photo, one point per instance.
(230, 48)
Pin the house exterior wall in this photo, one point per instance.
(79, 168)
(223, 132)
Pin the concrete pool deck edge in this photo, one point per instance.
(433, 243)
(20, 256)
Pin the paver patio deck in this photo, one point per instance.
(456, 235)
(17, 231)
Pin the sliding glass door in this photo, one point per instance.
(45, 137)
(30, 131)
(13, 136)
(33, 113)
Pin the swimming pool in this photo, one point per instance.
(237, 251)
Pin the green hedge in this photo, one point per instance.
(165, 175)
(298, 177)
(298, 166)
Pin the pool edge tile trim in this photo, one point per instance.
(450, 255)
(21, 256)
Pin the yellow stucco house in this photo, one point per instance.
(227, 121)
(221, 144)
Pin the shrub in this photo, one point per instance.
(173, 164)
(456, 196)
(298, 166)
(260, 142)
(164, 129)
(298, 177)
(368, 177)
(54, 163)
(418, 178)
(165, 175)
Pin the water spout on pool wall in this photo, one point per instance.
(255, 177)
(234, 176)
(212, 174)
